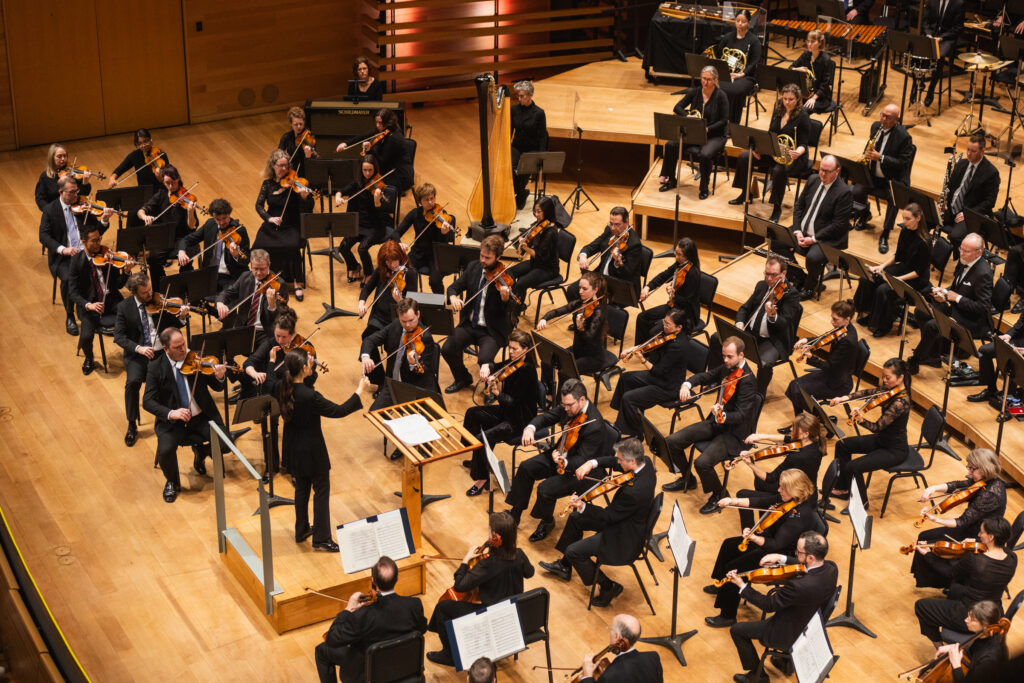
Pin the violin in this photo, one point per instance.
(602, 660)
(300, 342)
(726, 390)
(480, 553)
(940, 669)
(273, 282)
(305, 138)
(532, 234)
(947, 549)
(414, 348)
(497, 272)
(771, 574)
(398, 281)
(78, 172)
(879, 399)
(609, 483)
(651, 344)
(820, 342)
(291, 179)
(109, 257)
(778, 291)
(187, 200)
(778, 511)
(680, 278)
(766, 452)
(231, 236)
(508, 370)
(207, 365)
(373, 141)
(96, 208)
(173, 305)
(570, 435)
(952, 500)
(441, 215)
(155, 157)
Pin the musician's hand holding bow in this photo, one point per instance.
(457, 304)
(753, 538)
(542, 325)
(342, 146)
(340, 200)
(583, 261)
(926, 495)
(576, 502)
(181, 414)
(528, 435)
(954, 652)
(96, 307)
(644, 293)
(684, 393)
(837, 400)
(222, 310)
(367, 364)
(505, 291)
(485, 371)
(183, 258)
(584, 469)
(559, 458)
(717, 409)
(147, 351)
(588, 665)
(773, 558)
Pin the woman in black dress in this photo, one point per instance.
(833, 375)
(590, 326)
(303, 445)
(291, 140)
(743, 81)
(421, 251)
(372, 227)
(988, 654)
(875, 300)
(184, 217)
(789, 118)
(495, 577)
(364, 84)
(279, 235)
(390, 259)
(529, 128)
(148, 171)
(713, 105)
(542, 251)
(46, 187)
(818, 62)
(686, 298)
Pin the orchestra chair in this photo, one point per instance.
(931, 432)
(816, 128)
(643, 548)
(950, 636)
(697, 360)
(566, 246)
(533, 608)
(708, 289)
(720, 159)
(942, 251)
(1002, 290)
(781, 659)
(655, 441)
(618, 321)
(828, 481)
(105, 329)
(410, 148)
(398, 660)
(646, 258)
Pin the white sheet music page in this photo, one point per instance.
(357, 543)
(811, 652)
(495, 633)
(412, 430)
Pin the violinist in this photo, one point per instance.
(263, 366)
(485, 320)
(146, 169)
(497, 576)
(94, 290)
(711, 103)
(47, 189)
(743, 81)
(389, 146)
(304, 448)
(974, 577)
(279, 234)
(581, 440)
(184, 219)
(529, 134)
(664, 370)
(615, 261)
(821, 215)
(730, 421)
(540, 245)
(515, 404)
(369, 204)
(590, 326)
(255, 301)
(619, 528)
(183, 408)
(886, 444)
(404, 363)
(364, 85)
(833, 375)
(630, 665)
(817, 62)
(426, 233)
(362, 624)
(987, 653)
(137, 332)
(225, 244)
(682, 282)
(796, 501)
(60, 231)
(792, 604)
(298, 135)
(390, 282)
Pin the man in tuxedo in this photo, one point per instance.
(137, 332)
(589, 445)
(858, 11)
(639, 390)
(361, 625)
(889, 159)
(624, 265)
(620, 527)
(730, 421)
(967, 301)
(629, 665)
(60, 231)
(484, 322)
(182, 406)
(973, 184)
(253, 311)
(227, 256)
(793, 604)
(821, 215)
(94, 291)
(943, 19)
(397, 366)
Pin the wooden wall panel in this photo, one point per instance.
(142, 53)
(55, 70)
(263, 55)
(7, 134)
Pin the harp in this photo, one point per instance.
(492, 203)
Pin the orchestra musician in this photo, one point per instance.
(529, 130)
(403, 363)
(184, 219)
(685, 298)
(792, 605)
(796, 495)
(590, 327)
(986, 362)
(743, 82)
(290, 140)
(364, 623)
(482, 670)
(542, 251)
(390, 149)
(728, 423)
(95, 291)
(137, 332)
(182, 407)
(858, 11)
(364, 85)
(421, 252)
(711, 103)
(821, 215)
(265, 365)
(875, 300)
(664, 370)
(788, 118)
(225, 244)
(973, 184)
(624, 264)
(485, 321)
(943, 19)
(817, 61)
(581, 444)
(933, 571)
(369, 204)
(987, 654)
(1012, 273)
(967, 301)
(147, 170)
(886, 444)
(630, 665)
(497, 575)
(383, 288)
(889, 155)
(832, 376)
(47, 187)
(619, 528)
(60, 232)
(515, 404)
(257, 302)
(304, 448)
(279, 235)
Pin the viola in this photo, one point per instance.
(602, 660)
(376, 139)
(155, 157)
(96, 208)
(78, 172)
(880, 399)
(109, 257)
(940, 670)
(570, 435)
(508, 370)
(305, 138)
(231, 236)
(952, 500)
(766, 452)
(821, 342)
(187, 200)
(777, 512)
(414, 348)
(772, 574)
(947, 549)
(206, 365)
(726, 391)
(174, 305)
(291, 179)
(480, 553)
(609, 483)
(778, 291)
(300, 342)
(273, 282)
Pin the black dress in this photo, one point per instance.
(766, 491)
(975, 578)
(298, 158)
(715, 113)
(685, 298)
(47, 192)
(876, 299)
(885, 445)
(539, 268)
(283, 242)
(506, 419)
(824, 70)
(738, 89)
(421, 254)
(588, 342)
(529, 134)
(381, 313)
(372, 227)
(373, 93)
(798, 128)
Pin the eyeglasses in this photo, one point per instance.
(972, 468)
(570, 404)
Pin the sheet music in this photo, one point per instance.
(494, 632)
(497, 467)
(412, 430)
(812, 653)
(679, 541)
(363, 542)
(858, 516)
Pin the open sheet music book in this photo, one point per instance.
(493, 632)
(365, 541)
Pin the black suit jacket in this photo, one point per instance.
(686, 298)
(590, 444)
(495, 310)
(972, 311)
(794, 603)
(240, 290)
(897, 155)
(631, 258)
(302, 443)
(623, 523)
(832, 223)
(390, 338)
(632, 667)
(82, 288)
(161, 395)
(948, 27)
(982, 194)
(669, 364)
(739, 409)
(781, 332)
(207, 235)
(391, 616)
(128, 332)
(53, 233)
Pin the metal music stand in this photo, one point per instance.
(192, 285)
(129, 199)
(959, 337)
(846, 262)
(771, 78)
(227, 344)
(685, 130)
(696, 63)
(621, 292)
(403, 392)
(911, 297)
(903, 195)
(314, 225)
(1010, 364)
(440, 320)
(816, 409)
(753, 140)
(540, 164)
(260, 409)
(328, 176)
(727, 329)
(773, 232)
(452, 258)
(144, 240)
(990, 231)
(562, 360)
(857, 173)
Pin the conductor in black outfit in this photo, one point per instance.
(230, 259)
(713, 105)
(95, 291)
(973, 184)
(821, 216)
(529, 134)
(743, 81)
(361, 625)
(889, 159)
(614, 262)
(629, 665)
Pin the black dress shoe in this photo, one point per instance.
(542, 530)
(982, 396)
(475, 490)
(913, 365)
(863, 320)
(928, 99)
(198, 460)
(711, 589)
(878, 334)
(304, 535)
(559, 568)
(1019, 306)
(131, 436)
(467, 463)
(776, 214)
(751, 678)
(883, 244)
(718, 621)
(667, 185)
(71, 326)
(605, 597)
(783, 664)
(326, 547)
(457, 385)
(170, 493)
(738, 201)
(441, 657)
(678, 484)
(712, 504)
(299, 294)
(703, 194)
(806, 295)
(934, 362)
(88, 366)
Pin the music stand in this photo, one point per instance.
(958, 337)
(540, 164)
(903, 195)
(1010, 364)
(911, 297)
(771, 78)
(685, 130)
(259, 410)
(403, 392)
(128, 199)
(772, 232)
(845, 262)
(753, 140)
(916, 46)
(452, 258)
(227, 344)
(727, 329)
(696, 63)
(831, 427)
(621, 292)
(344, 224)
(561, 360)
(440, 320)
(192, 285)
(990, 231)
(328, 176)
(857, 173)
(140, 241)
(655, 441)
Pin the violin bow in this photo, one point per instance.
(862, 398)
(437, 214)
(385, 358)
(278, 366)
(559, 433)
(618, 238)
(176, 201)
(716, 387)
(369, 185)
(199, 371)
(579, 308)
(256, 289)
(136, 170)
(771, 289)
(510, 362)
(384, 290)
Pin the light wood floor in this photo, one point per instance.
(137, 585)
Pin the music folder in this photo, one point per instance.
(494, 632)
(363, 542)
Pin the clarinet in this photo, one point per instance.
(953, 160)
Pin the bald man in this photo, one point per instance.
(821, 215)
(629, 666)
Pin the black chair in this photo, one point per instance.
(700, 446)
(816, 128)
(641, 554)
(1001, 292)
(931, 431)
(646, 258)
(697, 359)
(105, 329)
(410, 153)
(618, 321)
(399, 660)
(942, 250)
(566, 245)
(826, 613)
(794, 332)
(1015, 532)
(828, 482)
(533, 608)
(708, 289)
